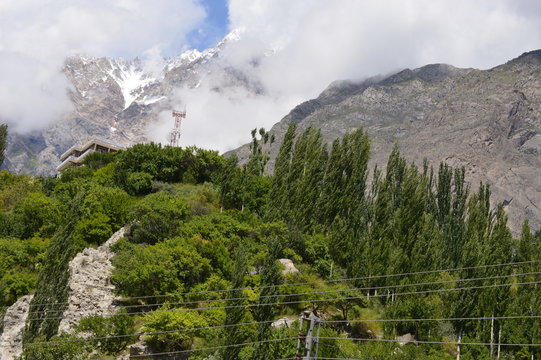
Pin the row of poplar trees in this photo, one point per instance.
(411, 220)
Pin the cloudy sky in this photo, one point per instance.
(314, 41)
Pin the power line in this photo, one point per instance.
(437, 319)
(213, 347)
(307, 283)
(300, 301)
(342, 279)
(209, 301)
(325, 358)
(335, 290)
(426, 342)
(6, 344)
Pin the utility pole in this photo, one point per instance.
(306, 340)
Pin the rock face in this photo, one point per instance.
(286, 322)
(289, 267)
(11, 341)
(90, 288)
(486, 121)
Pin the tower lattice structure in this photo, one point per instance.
(174, 134)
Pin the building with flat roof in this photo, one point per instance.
(76, 154)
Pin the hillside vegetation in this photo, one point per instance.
(380, 254)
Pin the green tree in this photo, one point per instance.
(177, 328)
(236, 312)
(451, 195)
(478, 228)
(109, 332)
(3, 141)
(37, 215)
(14, 187)
(278, 195)
(230, 180)
(156, 217)
(139, 183)
(265, 311)
(170, 266)
(525, 299)
(258, 157)
(494, 301)
(60, 347)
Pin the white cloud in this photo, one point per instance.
(315, 42)
(36, 36)
(220, 120)
(318, 41)
(322, 40)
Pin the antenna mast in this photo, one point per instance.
(174, 135)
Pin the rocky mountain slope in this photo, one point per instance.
(487, 121)
(117, 100)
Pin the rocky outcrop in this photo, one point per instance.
(90, 293)
(11, 341)
(289, 267)
(286, 322)
(90, 289)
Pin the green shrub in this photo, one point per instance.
(186, 322)
(63, 347)
(156, 217)
(109, 332)
(98, 160)
(139, 183)
(37, 215)
(167, 267)
(74, 172)
(15, 187)
(94, 230)
(20, 261)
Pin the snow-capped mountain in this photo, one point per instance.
(118, 100)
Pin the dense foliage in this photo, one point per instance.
(3, 141)
(198, 267)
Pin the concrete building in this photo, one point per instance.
(76, 154)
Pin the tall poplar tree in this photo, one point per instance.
(265, 311)
(235, 311)
(278, 195)
(3, 141)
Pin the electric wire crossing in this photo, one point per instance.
(309, 328)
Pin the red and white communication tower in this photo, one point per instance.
(174, 135)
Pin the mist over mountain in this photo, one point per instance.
(125, 102)
(486, 121)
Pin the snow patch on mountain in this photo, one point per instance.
(190, 57)
(131, 79)
(183, 59)
(150, 100)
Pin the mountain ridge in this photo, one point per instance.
(487, 121)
